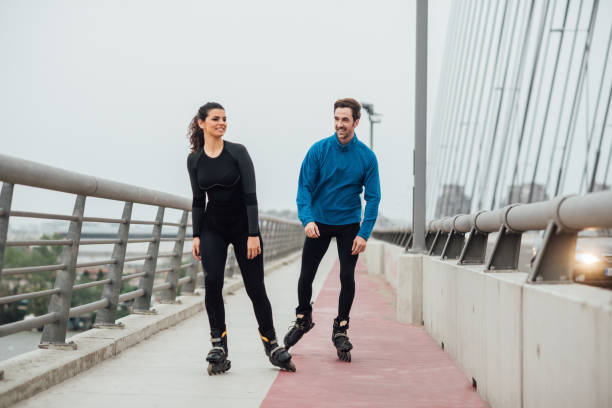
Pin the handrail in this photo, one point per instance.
(562, 218)
(281, 237)
(570, 212)
(19, 171)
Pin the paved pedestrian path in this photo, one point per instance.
(394, 364)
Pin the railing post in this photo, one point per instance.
(408, 242)
(438, 244)
(142, 304)
(454, 245)
(284, 239)
(54, 334)
(475, 248)
(506, 250)
(276, 239)
(230, 262)
(106, 317)
(192, 272)
(6, 197)
(429, 239)
(554, 262)
(265, 236)
(169, 295)
(403, 239)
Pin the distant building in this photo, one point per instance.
(520, 193)
(452, 201)
(600, 187)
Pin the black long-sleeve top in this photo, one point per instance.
(228, 181)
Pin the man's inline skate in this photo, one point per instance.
(303, 324)
(341, 340)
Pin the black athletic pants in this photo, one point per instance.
(314, 250)
(217, 233)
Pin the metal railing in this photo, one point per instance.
(561, 218)
(280, 238)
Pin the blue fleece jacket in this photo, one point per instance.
(331, 179)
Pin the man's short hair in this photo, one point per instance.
(349, 103)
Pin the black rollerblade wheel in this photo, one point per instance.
(341, 340)
(344, 356)
(302, 325)
(290, 367)
(219, 368)
(278, 356)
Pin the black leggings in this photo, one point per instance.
(314, 250)
(213, 250)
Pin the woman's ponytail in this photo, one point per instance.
(196, 134)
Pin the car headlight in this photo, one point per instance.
(586, 258)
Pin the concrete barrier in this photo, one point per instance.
(522, 345)
(409, 289)
(391, 255)
(403, 272)
(567, 344)
(476, 317)
(374, 257)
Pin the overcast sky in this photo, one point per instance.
(108, 88)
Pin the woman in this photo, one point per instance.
(223, 173)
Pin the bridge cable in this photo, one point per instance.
(543, 18)
(546, 112)
(573, 120)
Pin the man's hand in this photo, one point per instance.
(195, 251)
(359, 245)
(311, 230)
(253, 247)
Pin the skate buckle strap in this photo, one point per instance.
(340, 334)
(216, 339)
(218, 348)
(274, 349)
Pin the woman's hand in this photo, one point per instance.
(195, 251)
(253, 247)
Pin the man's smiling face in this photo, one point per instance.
(344, 124)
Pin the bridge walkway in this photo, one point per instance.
(394, 364)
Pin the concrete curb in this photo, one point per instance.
(38, 370)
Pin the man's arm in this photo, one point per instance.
(309, 173)
(372, 198)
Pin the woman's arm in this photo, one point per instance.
(247, 175)
(199, 197)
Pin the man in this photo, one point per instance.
(333, 175)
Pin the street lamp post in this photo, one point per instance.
(373, 117)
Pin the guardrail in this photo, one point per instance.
(401, 236)
(561, 218)
(280, 238)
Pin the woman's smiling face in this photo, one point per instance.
(215, 123)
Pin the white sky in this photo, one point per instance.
(108, 87)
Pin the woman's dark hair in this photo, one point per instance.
(196, 134)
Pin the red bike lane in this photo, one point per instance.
(393, 364)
